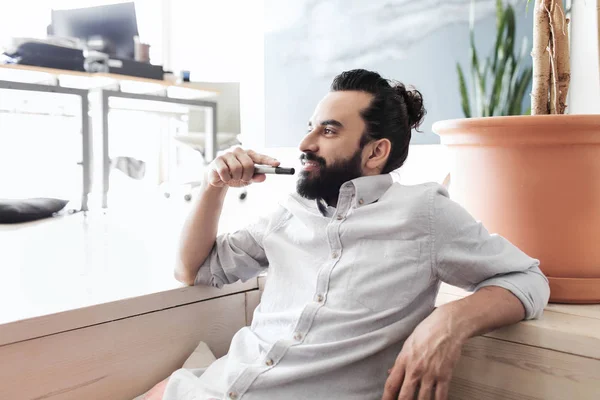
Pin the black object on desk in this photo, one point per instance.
(41, 54)
(135, 68)
(27, 210)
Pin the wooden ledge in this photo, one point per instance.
(572, 329)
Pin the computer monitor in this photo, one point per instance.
(116, 24)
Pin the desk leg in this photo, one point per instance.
(87, 152)
(105, 155)
(210, 127)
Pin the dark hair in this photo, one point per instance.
(392, 114)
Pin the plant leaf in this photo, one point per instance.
(486, 70)
(522, 88)
(509, 44)
(482, 82)
(499, 12)
(464, 95)
(497, 87)
(478, 91)
(505, 93)
(472, 17)
(499, 40)
(508, 85)
(519, 61)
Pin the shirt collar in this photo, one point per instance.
(368, 189)
(364, 190)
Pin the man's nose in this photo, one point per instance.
(309, 143)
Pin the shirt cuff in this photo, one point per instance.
(205, 276)
(530, 287)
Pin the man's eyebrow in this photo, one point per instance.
(332, 122)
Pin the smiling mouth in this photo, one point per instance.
(310, 165)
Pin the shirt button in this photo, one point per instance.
(361, 202)
(297, 336)
(269, 362)
(233, 395)
(340, 217)
(319, 298)
(334, 255)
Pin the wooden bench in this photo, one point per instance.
(118, 350)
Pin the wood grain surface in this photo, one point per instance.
(15, 68)
(573, 329)
(68, 320)
(117, 360)
(492, 369)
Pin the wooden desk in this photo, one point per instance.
(117, 350)
(86, 80)
(113, 91)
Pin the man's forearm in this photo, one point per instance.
(489, 308)
(199, 233)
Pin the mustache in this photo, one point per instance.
(312, 157)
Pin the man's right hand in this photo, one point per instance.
(236, 168)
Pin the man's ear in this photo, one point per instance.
(378, 152)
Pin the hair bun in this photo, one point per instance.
(414, 104)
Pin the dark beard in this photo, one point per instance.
(326, 185)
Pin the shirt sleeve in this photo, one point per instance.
(467, 256)
(236, 256)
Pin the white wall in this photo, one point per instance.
(211, 38)
(221, 44)
(252, 81)
(585, 58)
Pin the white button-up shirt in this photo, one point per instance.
(346, 286)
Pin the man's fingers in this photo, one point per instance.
(408, 389)
(393, 383)
(222, 170)
(262, 159)
(259, 178)
(247, 165)
(235, 166)
(426, 389)
(441, 390)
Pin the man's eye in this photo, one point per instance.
(328, 131)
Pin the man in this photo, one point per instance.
(354, 265)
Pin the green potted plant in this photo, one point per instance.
(535, 179)
(499, 83)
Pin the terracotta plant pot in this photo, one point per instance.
(536, 181)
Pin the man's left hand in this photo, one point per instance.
(424, 367)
